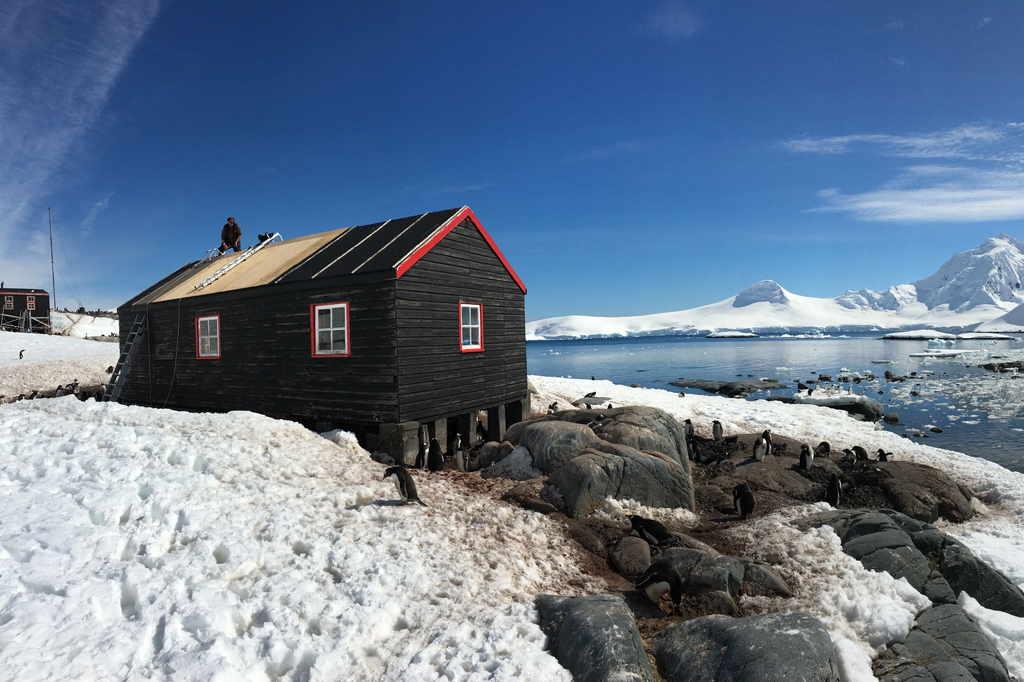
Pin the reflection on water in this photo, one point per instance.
(980, 413)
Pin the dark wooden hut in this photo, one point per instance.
(25, 310)
(397, 331)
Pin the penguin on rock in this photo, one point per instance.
(767, 436)
(760, 449)
(743, 500)
(660, 579)
(832, 493)
(650, 530)
(806, 457)
(716, 430)
(406, 486)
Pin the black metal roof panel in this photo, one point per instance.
(369, 248)
(25, 291)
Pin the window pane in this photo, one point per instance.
(214, 350)
(204, 346)
(465, 314)
(339, 318)
(203, 328)
(323, 318)
(475, 336)
(474, 315)
(339, 340)
(213, 326)
(465, 336)
(323, 340)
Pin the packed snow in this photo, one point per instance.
(139, 543)
(971, 288)
(51, 360)
(82, 325)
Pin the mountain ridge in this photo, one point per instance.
(971, 288)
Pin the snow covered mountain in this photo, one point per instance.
(970, 288)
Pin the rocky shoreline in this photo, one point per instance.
(732, 622)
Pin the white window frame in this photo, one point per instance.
(339, 314)
(209, 353)
(466, 328)
(8, 302)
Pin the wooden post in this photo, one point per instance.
(515, 411)
(467, 428)
(439, 430)
(401, 441)
(496, 423)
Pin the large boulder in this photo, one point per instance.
(631, 557)
(702, 571)
(553, 443)
(859, 406)
(772, 647)
(924, 493)
(944, 646)
(623, 473)
(966, 572)
(595, 638)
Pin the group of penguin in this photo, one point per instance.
(661, 577)
(434, 461)
(60, 391)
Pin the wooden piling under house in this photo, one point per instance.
(396, 331)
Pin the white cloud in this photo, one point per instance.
(894, 26)
(898, 62)
(94, 212)
(973, 141)
(985, 21)
(58, 65)
(670, 21)
(936, 194)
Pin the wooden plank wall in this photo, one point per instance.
(266, 364)
(436, 379)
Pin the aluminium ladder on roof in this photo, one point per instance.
(124, 363)
(248, 252)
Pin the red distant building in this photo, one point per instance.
(25, 310)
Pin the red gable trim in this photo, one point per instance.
(450, 225)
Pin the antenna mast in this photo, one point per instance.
(53, 276)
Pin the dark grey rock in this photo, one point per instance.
(631, 557)
(773, 647)
(552, 443)
(924, 493)
(490, 453)
(505, 449)
(703, 571)
(992, 589)
(619, 471)
(717, 601)
(954, 634)
(892, 418)
(734, 389)
(595, 638)
(766, 578)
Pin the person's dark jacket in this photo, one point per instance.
(231, 233)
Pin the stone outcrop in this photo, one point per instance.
(702, 571)
(925, 493)
(608, 470)
(552, 443)
(595, 638)
(773, 647)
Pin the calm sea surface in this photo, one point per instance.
(981, 413)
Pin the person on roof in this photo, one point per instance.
(231, 236)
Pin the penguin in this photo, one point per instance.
(552, 407)
(688, 428)
(454, 443)
(421, 455)
(767, 435)
(59, 392)
(659, 579)
(650, 530)
(806, 457)
(695, 453)
(743, 500)
(406, 486)
(760, 449)
(832, 494)
(33, 396)
(110, 369)
(21, 354)
(461, 460)
(435, 458)
(101, 392)
(716, 430)
(781, 450)
(883, 456)
(861, 453)
(823, 449)
(481, 432)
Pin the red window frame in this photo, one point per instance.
(462, 346)
(208, 357)
(313, 330)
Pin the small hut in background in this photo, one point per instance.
(25, 310)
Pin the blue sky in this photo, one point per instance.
(627, 157)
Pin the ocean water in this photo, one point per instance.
(980, 413)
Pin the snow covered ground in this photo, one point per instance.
(51, 360)
(82, 326)
(138, 543)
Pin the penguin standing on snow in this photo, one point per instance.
(743, 500)
(406, 486)
(760, 449)
(659, 579)
(21, 354)
(716, 430)
(832, 494)
(650, 530)
(435, 458)
(806, 457)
